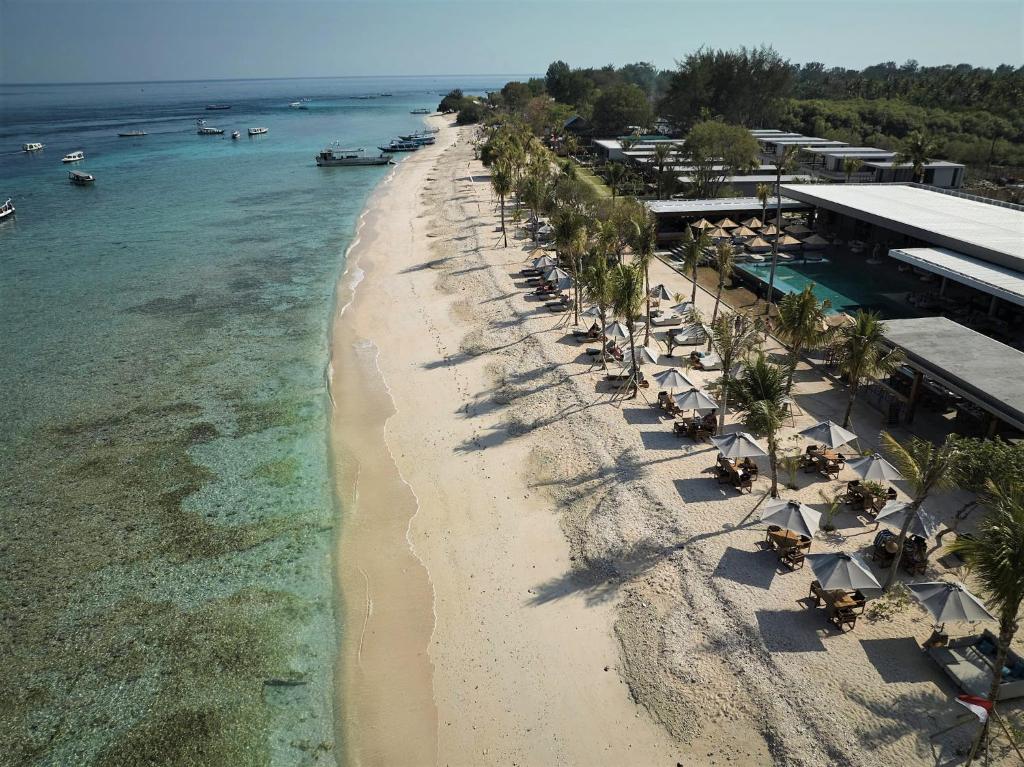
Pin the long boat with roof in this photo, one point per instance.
(32, 146)
(401, 146)
(336, 155)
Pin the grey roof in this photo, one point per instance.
(712, 207)
(852, 151)
(890, 163)
(981, 275)
(984, 230)
(979, 368)
(804, 141)
(770, 131)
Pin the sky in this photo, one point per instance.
(102, 41)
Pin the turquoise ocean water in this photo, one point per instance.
(164, 478)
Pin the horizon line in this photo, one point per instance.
(254, 79)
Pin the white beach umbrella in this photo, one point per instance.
(672, 379)
(661, 293)
(895, 513)
(593, 311)
(874, 467)
(545, 230)
(738, 445)
(617, 331)
(950, 602)
(682, 309)
(791, 515)
(829, 434)
(544, 262)
(695, 399)
(647, 355)
(842, 571)
(557, 275)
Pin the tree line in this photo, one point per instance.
(973, 115)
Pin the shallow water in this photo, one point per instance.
(164, 477)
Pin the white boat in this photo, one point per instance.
(7, 209)
(73, 156)
(204, 130)
(235, 135)
(80, 178)
(131, 133)
(334, 155)
(420, 111)
(298, 105)
(257, 131)
(32, 146)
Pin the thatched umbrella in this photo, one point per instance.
(758, 245)
(718, 233)
(788, 242)
(753, 222)
(726, 223)
(742, 231)
(702, 224)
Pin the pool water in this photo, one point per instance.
(848, 283)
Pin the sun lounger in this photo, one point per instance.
(666, 320)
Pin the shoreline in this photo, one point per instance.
(369, 698)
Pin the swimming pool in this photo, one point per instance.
(847, 285)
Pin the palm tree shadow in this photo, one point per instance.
(600, 579)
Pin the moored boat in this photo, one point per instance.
(257, 131)
(217, 107)
(419, 138)
(80, 178)
(132, 133)
(32, 146)
(420, 111)
(335, 155)
(205, 130)
(7, 209)
(298, 105)
(73, 156)
(400, 146)
(235, 135)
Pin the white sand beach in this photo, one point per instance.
(534, 575)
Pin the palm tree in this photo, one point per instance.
(501, 180)
(863, 354)
(616, 175)
(569, 225)
(643, 242)
(995, 555)
(802, 325)
(760, 392)
(850, 166)
(764, 193)
(724, 262)
(782, 162)
(693, 252)
(927, 468)
(598, 287)
(535, 190)
(733, 337)
(628, 301)
(917, 148)
(662, 154)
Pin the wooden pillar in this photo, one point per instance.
(915, 390)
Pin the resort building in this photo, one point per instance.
(826, 159)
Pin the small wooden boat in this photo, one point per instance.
(217, 107)
(204, 130)
(131, 133)
(80, 178)
(257, 131)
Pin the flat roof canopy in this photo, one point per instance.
(850, 151)
(803, 141)
(712, 207)
(987, 231)
(995, 280)
(767, 178)
(981, 369)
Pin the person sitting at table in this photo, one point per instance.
(710, 420)
(749, 466)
